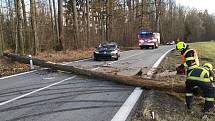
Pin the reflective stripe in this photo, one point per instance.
(203, 73)
(199, 79)
(189, 94)
(192, 67)
(211, 78)
(209, 99)
(190, 58)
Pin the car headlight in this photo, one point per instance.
(96, 52)
(114, 52)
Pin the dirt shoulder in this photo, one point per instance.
(169, 106)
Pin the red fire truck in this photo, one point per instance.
(148, 39)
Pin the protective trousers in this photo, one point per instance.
(208, 91)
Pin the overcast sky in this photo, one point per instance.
(199, 4)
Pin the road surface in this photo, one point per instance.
(60, 96)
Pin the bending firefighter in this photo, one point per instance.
(189, 58)
(201, 77)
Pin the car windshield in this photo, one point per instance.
(146, 35)
(108, 46)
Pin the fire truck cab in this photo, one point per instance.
(148, 39)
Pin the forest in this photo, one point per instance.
(34, 26)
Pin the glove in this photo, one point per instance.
(180, 70)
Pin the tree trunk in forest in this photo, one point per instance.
(19, 29)
(1, 34)
(161, 85)
(60, 25)
(11, 26)
(56, 27)
(34, 27)
(157, 14)
(52, 23)
(25, 25)
(88, 23)
(75, 19)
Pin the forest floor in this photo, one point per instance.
(169, 106)
(9, 67)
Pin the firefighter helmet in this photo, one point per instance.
(209, 66)
(181, 45)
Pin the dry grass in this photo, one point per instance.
(206, 51)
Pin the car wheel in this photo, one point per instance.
(117, 57)
(156, 46)
(153, 47)
(96, 59)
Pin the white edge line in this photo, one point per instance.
(21, 96)
(130, 102)
(5, 77)
(126, 108)
(151, 71)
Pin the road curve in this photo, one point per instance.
(58, 96)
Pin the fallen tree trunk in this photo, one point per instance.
(130, 80)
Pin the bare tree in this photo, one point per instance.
(51, 17)
(88, 22)
(60, 24)
(1, 33)
(19, 35)
(56, 27)
(25, 26)
(34, 27)
(75, 19)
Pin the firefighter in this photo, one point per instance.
(189, 57)
(200, 77)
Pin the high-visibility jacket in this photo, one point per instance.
(190, 59)
(199, 74)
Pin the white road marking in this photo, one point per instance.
(130, 102)
(152, 70)
(126, 108)
(17, 74)
(19, 97)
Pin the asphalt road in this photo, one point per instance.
(58, 96)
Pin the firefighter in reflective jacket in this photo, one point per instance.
(201, 77)
(189, 57)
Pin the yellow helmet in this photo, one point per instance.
(209, 66)
(181, 45)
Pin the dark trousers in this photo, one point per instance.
(208, 91)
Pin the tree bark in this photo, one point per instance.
(161, 85)
(88, 23)
(75, 19)
(25, 24)
(34, 27)
(52, 22)
(56, 27)
(19, 29)
(1, 34)
(60, 25)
